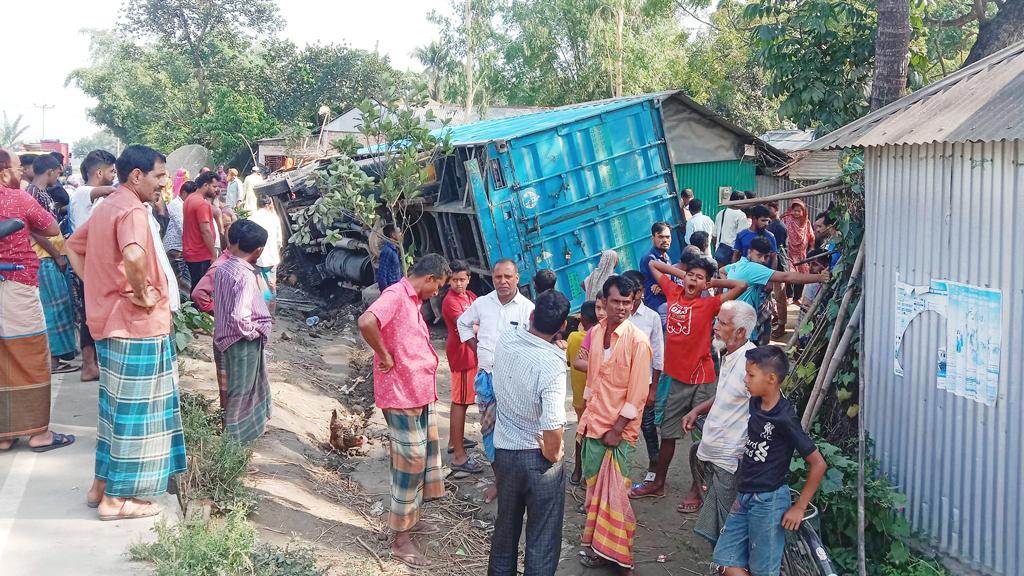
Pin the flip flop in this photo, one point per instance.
(13, 444)
(589, 561)
(574, 481)
(645, 491)
(466, 443)
(92, 504)
(59, 441)
(139, 513)
(409, 560)
(64, 368)
(689, 506)
(470, 466)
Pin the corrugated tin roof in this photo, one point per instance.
(983, 102)
(789, 139)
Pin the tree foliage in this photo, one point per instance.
(100, 140)
(11, 132)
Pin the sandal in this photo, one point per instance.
(470, 466)
(689, 506)
(63, 367)
(13, 444)
(576, 478)
(646, 491)
(412, 560)
(589, 561)
(141, 511)
(59, 441)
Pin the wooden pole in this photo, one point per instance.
(833, 364)
(833, 340)
(818, 299)
(825, 187)
(861, 394)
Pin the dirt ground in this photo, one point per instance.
(337, 502)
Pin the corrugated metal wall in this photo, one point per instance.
(952, 212)
(705, 178)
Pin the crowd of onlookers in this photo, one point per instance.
(662, 347)
(97, 266)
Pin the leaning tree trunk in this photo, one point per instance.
(998, 32)
(892, 52)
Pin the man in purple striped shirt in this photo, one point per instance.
(242, 325)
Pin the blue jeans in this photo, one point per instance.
(528, 484)
(753, 537)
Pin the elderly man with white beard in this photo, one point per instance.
(725, 429)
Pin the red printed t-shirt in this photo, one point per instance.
(17, 248)
(412, 382)
(197, 212)
(460, 356)
(688, 334)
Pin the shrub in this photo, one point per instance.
(201, 548)
(216, 463)
(292, 560)
(187, 320)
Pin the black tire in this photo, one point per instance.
(805, 555)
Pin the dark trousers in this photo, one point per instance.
(530, 484)
(196, 271)
(650, 432)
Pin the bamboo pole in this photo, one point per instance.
(833, 185)
(818, 299)
(833, 340)
(861, 549)
(813, 407)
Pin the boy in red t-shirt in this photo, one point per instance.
(687, 356)
(462, 362)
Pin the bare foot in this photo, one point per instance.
(6, 444)
(490, 494)
(41, 439)
(406, 552)
(90, 374)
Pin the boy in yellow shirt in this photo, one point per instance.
(578, 378)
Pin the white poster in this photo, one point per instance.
(973, 342)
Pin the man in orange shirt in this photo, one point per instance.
(128, 312)
(618, 381)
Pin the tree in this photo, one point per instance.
(101, 140)
(235, 121)
(892, 52)
(11, 132)
(998, 31)
(438, 67)
(476, 40)
(396, 127)
(190, 25)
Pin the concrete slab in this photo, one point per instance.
(45, 525)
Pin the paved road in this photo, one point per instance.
(45, 526)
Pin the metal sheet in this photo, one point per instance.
(983, 102)
(948, 211)
(706, 178)
(575, 189)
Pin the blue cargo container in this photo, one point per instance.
(554, 189)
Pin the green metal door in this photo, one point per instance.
(707, 178)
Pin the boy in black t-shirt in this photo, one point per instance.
(753, 538)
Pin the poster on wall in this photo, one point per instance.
(973, 342)
(968, 364)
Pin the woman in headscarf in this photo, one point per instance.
(594, 283)
(799, 239)
(179, 180)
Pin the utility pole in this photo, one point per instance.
(43, 108)
(467, 23)
(620, 15)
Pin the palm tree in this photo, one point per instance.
(10, 132)
(438, 66)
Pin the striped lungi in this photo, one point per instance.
(139, 440)
(24, 362)
(415, 464)
(55, 295)
(248, 402)
(610, 521)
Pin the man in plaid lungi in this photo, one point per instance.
(405, 388)
(139, 438)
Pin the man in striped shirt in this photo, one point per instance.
(242, 325)
(529, 388)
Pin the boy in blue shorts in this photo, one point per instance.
(753, 538)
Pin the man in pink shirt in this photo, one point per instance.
(405, 388)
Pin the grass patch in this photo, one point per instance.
(216, 464)
(221, 548)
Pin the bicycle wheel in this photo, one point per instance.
(805, 555)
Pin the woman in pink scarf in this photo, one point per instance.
(799, 237)
(179, 180)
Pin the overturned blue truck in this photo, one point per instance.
(552, 189)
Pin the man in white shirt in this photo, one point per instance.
(728, 223)
(266, 217)
(248, 199)
(480, 326)
(724, 433)
(234, 192)
(699, 222)
(98, 173)
(649, 322)
(529, 384)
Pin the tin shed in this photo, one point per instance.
(944, 197)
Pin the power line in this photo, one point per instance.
(43, 108)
